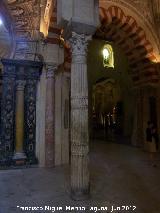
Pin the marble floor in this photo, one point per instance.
(122, 180)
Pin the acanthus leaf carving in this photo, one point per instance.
(79, 43)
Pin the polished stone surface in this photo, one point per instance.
(120, 175)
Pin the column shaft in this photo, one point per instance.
(79, 119)
(19, 154)
(19, 120)
(50, 118)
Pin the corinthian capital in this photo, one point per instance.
(79, 43)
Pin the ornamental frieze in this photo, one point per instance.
(26, 18)
(79, 102)
(79, 149)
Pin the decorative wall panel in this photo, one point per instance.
(8, 111)
(29, 72)
(30, 119)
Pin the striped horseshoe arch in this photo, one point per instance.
(125, 32)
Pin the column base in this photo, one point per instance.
(19, 158)
(80, 195)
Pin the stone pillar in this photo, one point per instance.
(79, 118)
(50, 118)
(40, 119)
(19, 139)
(62, 121)
(65, 109)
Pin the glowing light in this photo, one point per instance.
(108, 57)
(105, 53)
(1, 22)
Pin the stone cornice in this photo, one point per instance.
(22, 69)
(22, 63)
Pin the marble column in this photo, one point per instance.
(50, 118)
(79, 118)
(19, 120)
(40, 119)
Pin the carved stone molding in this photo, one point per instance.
(26, 50)
(50, 68)
(79, 150)
(30, 118)
(79, 102)
(20, 84)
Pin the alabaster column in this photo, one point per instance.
(50, 118)
(79, 118)
(19, 138)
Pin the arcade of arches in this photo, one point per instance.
(57, 97)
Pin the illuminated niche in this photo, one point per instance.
(108, 56)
